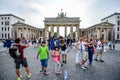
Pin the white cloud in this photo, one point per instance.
(73, 8)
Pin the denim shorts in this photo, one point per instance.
(44, 62)
(18, 62)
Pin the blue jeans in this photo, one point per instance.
(44, 62)
(90, 55)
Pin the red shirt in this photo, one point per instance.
(21, 50)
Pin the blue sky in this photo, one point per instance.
(34, 11)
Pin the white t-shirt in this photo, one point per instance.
(80, 44)
(83, 46)
(99, 45)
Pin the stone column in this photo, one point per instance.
(112, 33)
(43, 33)
(24, 32)
(71, 31)
(27, 33)
(18, 33)
(31, 34)
(65, 30)
(101, 32)
(57, 31)
(77, 30)
(46, 32)
(52, 31)
(13, 33)
(105, 33)
(95, 32)
(90, 32)
(98, 33)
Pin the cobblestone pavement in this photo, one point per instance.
(109, 70)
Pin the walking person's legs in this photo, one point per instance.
(90, 57)
(65, 57)
(27, 70)
(101, 54)
(45, 64)
(77, 58)
(85, 57)
(56, 67)
(97, 54)
(59, 66)
(25, 64)
(17, 66)
(17, 72)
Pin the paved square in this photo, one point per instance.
(109, 70)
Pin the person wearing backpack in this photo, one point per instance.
(21, 59)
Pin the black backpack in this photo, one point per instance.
(14, 52)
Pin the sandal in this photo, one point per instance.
(46, 73)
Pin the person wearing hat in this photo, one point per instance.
(43, 51)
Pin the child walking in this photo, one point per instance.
(44, 55)
(63, 52)
(56, 57)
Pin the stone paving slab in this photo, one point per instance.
(109, 70)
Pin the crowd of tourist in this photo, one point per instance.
(58, 49)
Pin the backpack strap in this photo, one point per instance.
(19, 46)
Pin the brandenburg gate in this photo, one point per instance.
(62, 21)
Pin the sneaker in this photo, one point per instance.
(51, 55)
(57, 73)
(77, 64)
(101, 60)
(86, 66)
(29, 76)
(46, 73)
(65, 62)
(60, 72)
(19, 78)
(61, 64)
(41, 70)
(83, 67)
(96, 60)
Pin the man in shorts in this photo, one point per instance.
(84, 53)
(21, 60)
